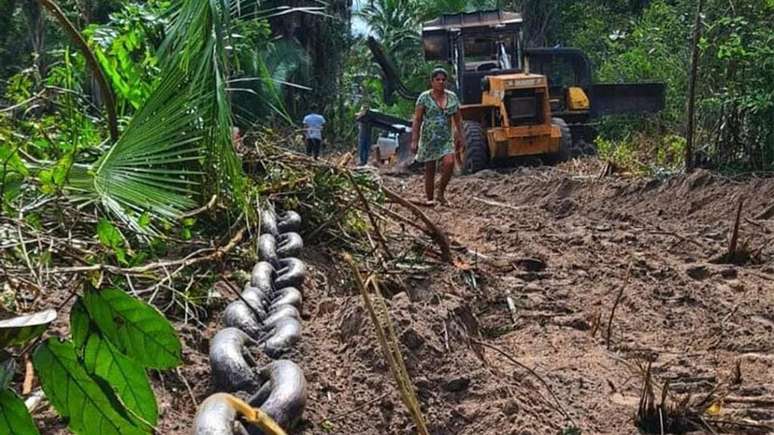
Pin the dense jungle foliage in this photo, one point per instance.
(179, 74)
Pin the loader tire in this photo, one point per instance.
(476, 156)
(565, 143)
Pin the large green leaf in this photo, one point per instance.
(127, 378)
(19, 330)
(90, 407)
(14, 417)
(139, 330)
(79, 324)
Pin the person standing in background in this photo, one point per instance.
(363, 136)
(313, 125)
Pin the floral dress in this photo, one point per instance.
(435, 140)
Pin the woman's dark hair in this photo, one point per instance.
(438, 71)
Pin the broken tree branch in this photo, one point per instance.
(733, 244)
(91, 61)
(432, 230)
(370, 214)
(189, 260)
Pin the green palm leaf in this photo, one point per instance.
(177, 148)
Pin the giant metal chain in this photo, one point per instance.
(266, 316)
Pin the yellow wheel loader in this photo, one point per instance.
(518, 101)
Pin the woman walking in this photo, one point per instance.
(437, 112)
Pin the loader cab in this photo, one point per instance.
(477, 44)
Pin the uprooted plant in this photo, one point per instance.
(685, 414)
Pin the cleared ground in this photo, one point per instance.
(560, 243)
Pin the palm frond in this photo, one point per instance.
(178, 147)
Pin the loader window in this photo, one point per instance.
(524, 107)
(559, 73)
(481, 52)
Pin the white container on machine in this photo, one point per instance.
(387, 146)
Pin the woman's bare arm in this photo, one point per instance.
(419, 114)
(457, 118)
(459, 141)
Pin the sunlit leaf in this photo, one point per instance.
(76, 395)
(125, 376)
(111, 237)
(139, 330)
(14, 417)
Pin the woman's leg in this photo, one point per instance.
(430, 179)
(447, 168)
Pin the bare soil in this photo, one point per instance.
(560, 248)
(559, 242)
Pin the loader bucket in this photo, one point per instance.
(610, 98)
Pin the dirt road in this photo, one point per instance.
(560, 243)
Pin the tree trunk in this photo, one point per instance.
(91, 61)
(37, 26)
(689, 145)
(325, 39)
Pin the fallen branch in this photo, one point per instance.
(400, 217)
(371, 217)
(28, 100)
(202, 209)
(432, 230)
(390, 349)
(187, 261)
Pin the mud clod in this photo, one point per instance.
(457, 384)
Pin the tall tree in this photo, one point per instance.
(325, 37)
